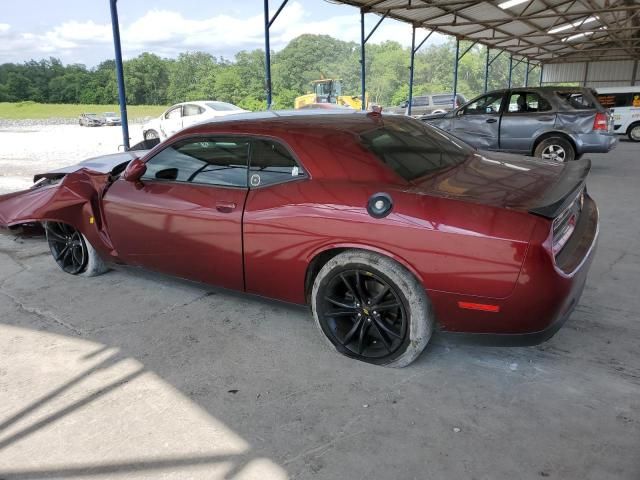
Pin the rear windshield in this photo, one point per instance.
(413, 149)
(578, 100)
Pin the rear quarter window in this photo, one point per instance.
(577, 100)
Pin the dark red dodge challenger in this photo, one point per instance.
(387, 227)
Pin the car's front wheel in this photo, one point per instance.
(371, 308)
(556, 149)
(151, 135)
(634, 132)
(72, 251)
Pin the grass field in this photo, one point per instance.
(36, 111)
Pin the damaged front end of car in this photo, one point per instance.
(70, 195)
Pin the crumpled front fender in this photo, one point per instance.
(76, 201)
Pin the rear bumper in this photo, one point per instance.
(595, 142)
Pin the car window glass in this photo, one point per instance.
(173, 113)
(191, 109)
(271, 163)
(485, 104)
(618, 100)
(204, 160)
(527, 102)
(413, 149)
(420, 101)
(576, 100)
(443, 99)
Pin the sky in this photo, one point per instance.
(79, 31)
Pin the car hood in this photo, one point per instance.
(509, 181)
(102, 164)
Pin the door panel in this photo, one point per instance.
(478, 123)
(526, 114)
(191, 231)
(185, 215)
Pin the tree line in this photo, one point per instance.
(152, 80)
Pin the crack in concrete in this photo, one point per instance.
(42, 314)
(159, 313)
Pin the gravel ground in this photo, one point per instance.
(28, 147)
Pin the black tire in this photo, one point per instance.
(151, 135)
(394, 336)
(72, 251)
(633, 132)
(555, 149)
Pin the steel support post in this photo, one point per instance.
(122, 98)
(268, 21)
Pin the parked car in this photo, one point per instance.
(386, 227)
(183, 115)
(427, 104)
(111, 119)
(624, 105)
(90, 120)
(553, 123)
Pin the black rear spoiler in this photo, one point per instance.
(562, 193)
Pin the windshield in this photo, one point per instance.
(413, 149)
(222, 106)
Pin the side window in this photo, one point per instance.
(483, 105)
(173, 114)
(272, 163)
(210, 161)
(420, 101)
(527, 102)
(191, 109)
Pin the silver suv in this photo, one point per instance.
(553, 123)
(427, 104)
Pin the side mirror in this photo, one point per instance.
(404, 104)
(134, 170)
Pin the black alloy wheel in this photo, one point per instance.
(363, 315)
(67, 247)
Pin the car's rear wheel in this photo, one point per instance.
(151, 135)
(372, 309)
(555, 149)
(72, 251)
(634, 132)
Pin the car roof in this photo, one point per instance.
(302, 118)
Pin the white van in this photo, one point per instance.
(624, 104)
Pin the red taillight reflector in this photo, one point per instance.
(601, 122)
(483, 307)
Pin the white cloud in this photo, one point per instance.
(168, 32)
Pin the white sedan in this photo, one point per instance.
(183, 115)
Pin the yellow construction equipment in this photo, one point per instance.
(328, 91)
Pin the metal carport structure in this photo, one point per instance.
(536, 32)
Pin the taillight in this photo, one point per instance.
(565, 224)
(601, 122)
